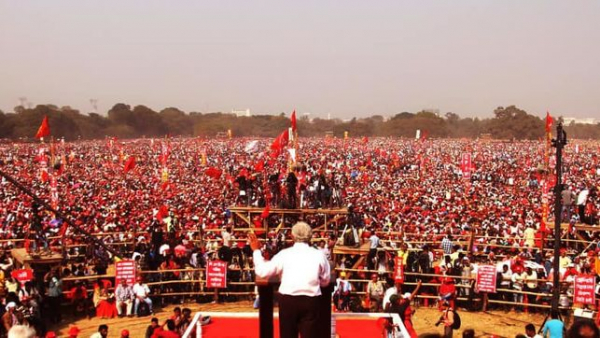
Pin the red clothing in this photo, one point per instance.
(167, 334)
(106, 309)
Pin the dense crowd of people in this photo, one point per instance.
(166, 204)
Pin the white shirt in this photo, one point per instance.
(141, 290)
(303, 270)
(374, 241)
(388, 293)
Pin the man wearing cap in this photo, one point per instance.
(73, 331)
(9, 318)
(141, 292)
(303, 270)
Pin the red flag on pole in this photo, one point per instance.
(549, 122)
(162, 213)
(280, 142)
(265, 212)
(294, 121)
(44, 129)
(129, 165)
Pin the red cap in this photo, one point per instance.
(74, 330)
(50, 334)
(125, 333)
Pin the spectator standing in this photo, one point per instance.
(554, 328)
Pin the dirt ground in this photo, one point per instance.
(496, 323)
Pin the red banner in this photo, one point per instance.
(466, 166)
(216, 274)
(22, 275)
(398, 270)
(584, 290)
(125, 270)
(486, 278)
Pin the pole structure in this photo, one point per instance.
(559, 142)
(58, 214)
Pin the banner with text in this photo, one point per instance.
(486, 278)
(125, 270)
(398, 270)
(584, 290)
(216, 274)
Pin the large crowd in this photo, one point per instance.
(165, 203)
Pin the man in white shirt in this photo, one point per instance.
(303, 271)
(141, 293)
(394, 290)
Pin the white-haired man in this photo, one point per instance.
(303, 270)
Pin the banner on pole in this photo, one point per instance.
(398, 270)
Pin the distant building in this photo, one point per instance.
(568, 120)
(240, 113)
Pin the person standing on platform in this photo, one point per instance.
(292, 183)
(303, 270)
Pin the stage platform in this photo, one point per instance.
(249, 215)
(345, 325)
(342, 211)
(25, 259)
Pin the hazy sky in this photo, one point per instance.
(347, 58)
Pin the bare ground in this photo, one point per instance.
(495, 323)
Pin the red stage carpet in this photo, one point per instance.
(248, 328)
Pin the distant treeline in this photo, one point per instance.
(123, 121)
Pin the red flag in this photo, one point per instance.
(129, 165)
(549, 122)
(162, 213)
(294, 121)
(213, 172)
(259, 166)
(265, 212)
(280, 142)
(44, 129)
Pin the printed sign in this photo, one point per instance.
(398, 270)
(22, 275)
(125, 270)
(486, 279)
(216, 274)
(584, 290)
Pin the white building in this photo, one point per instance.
(568, 120)
(240, 113)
